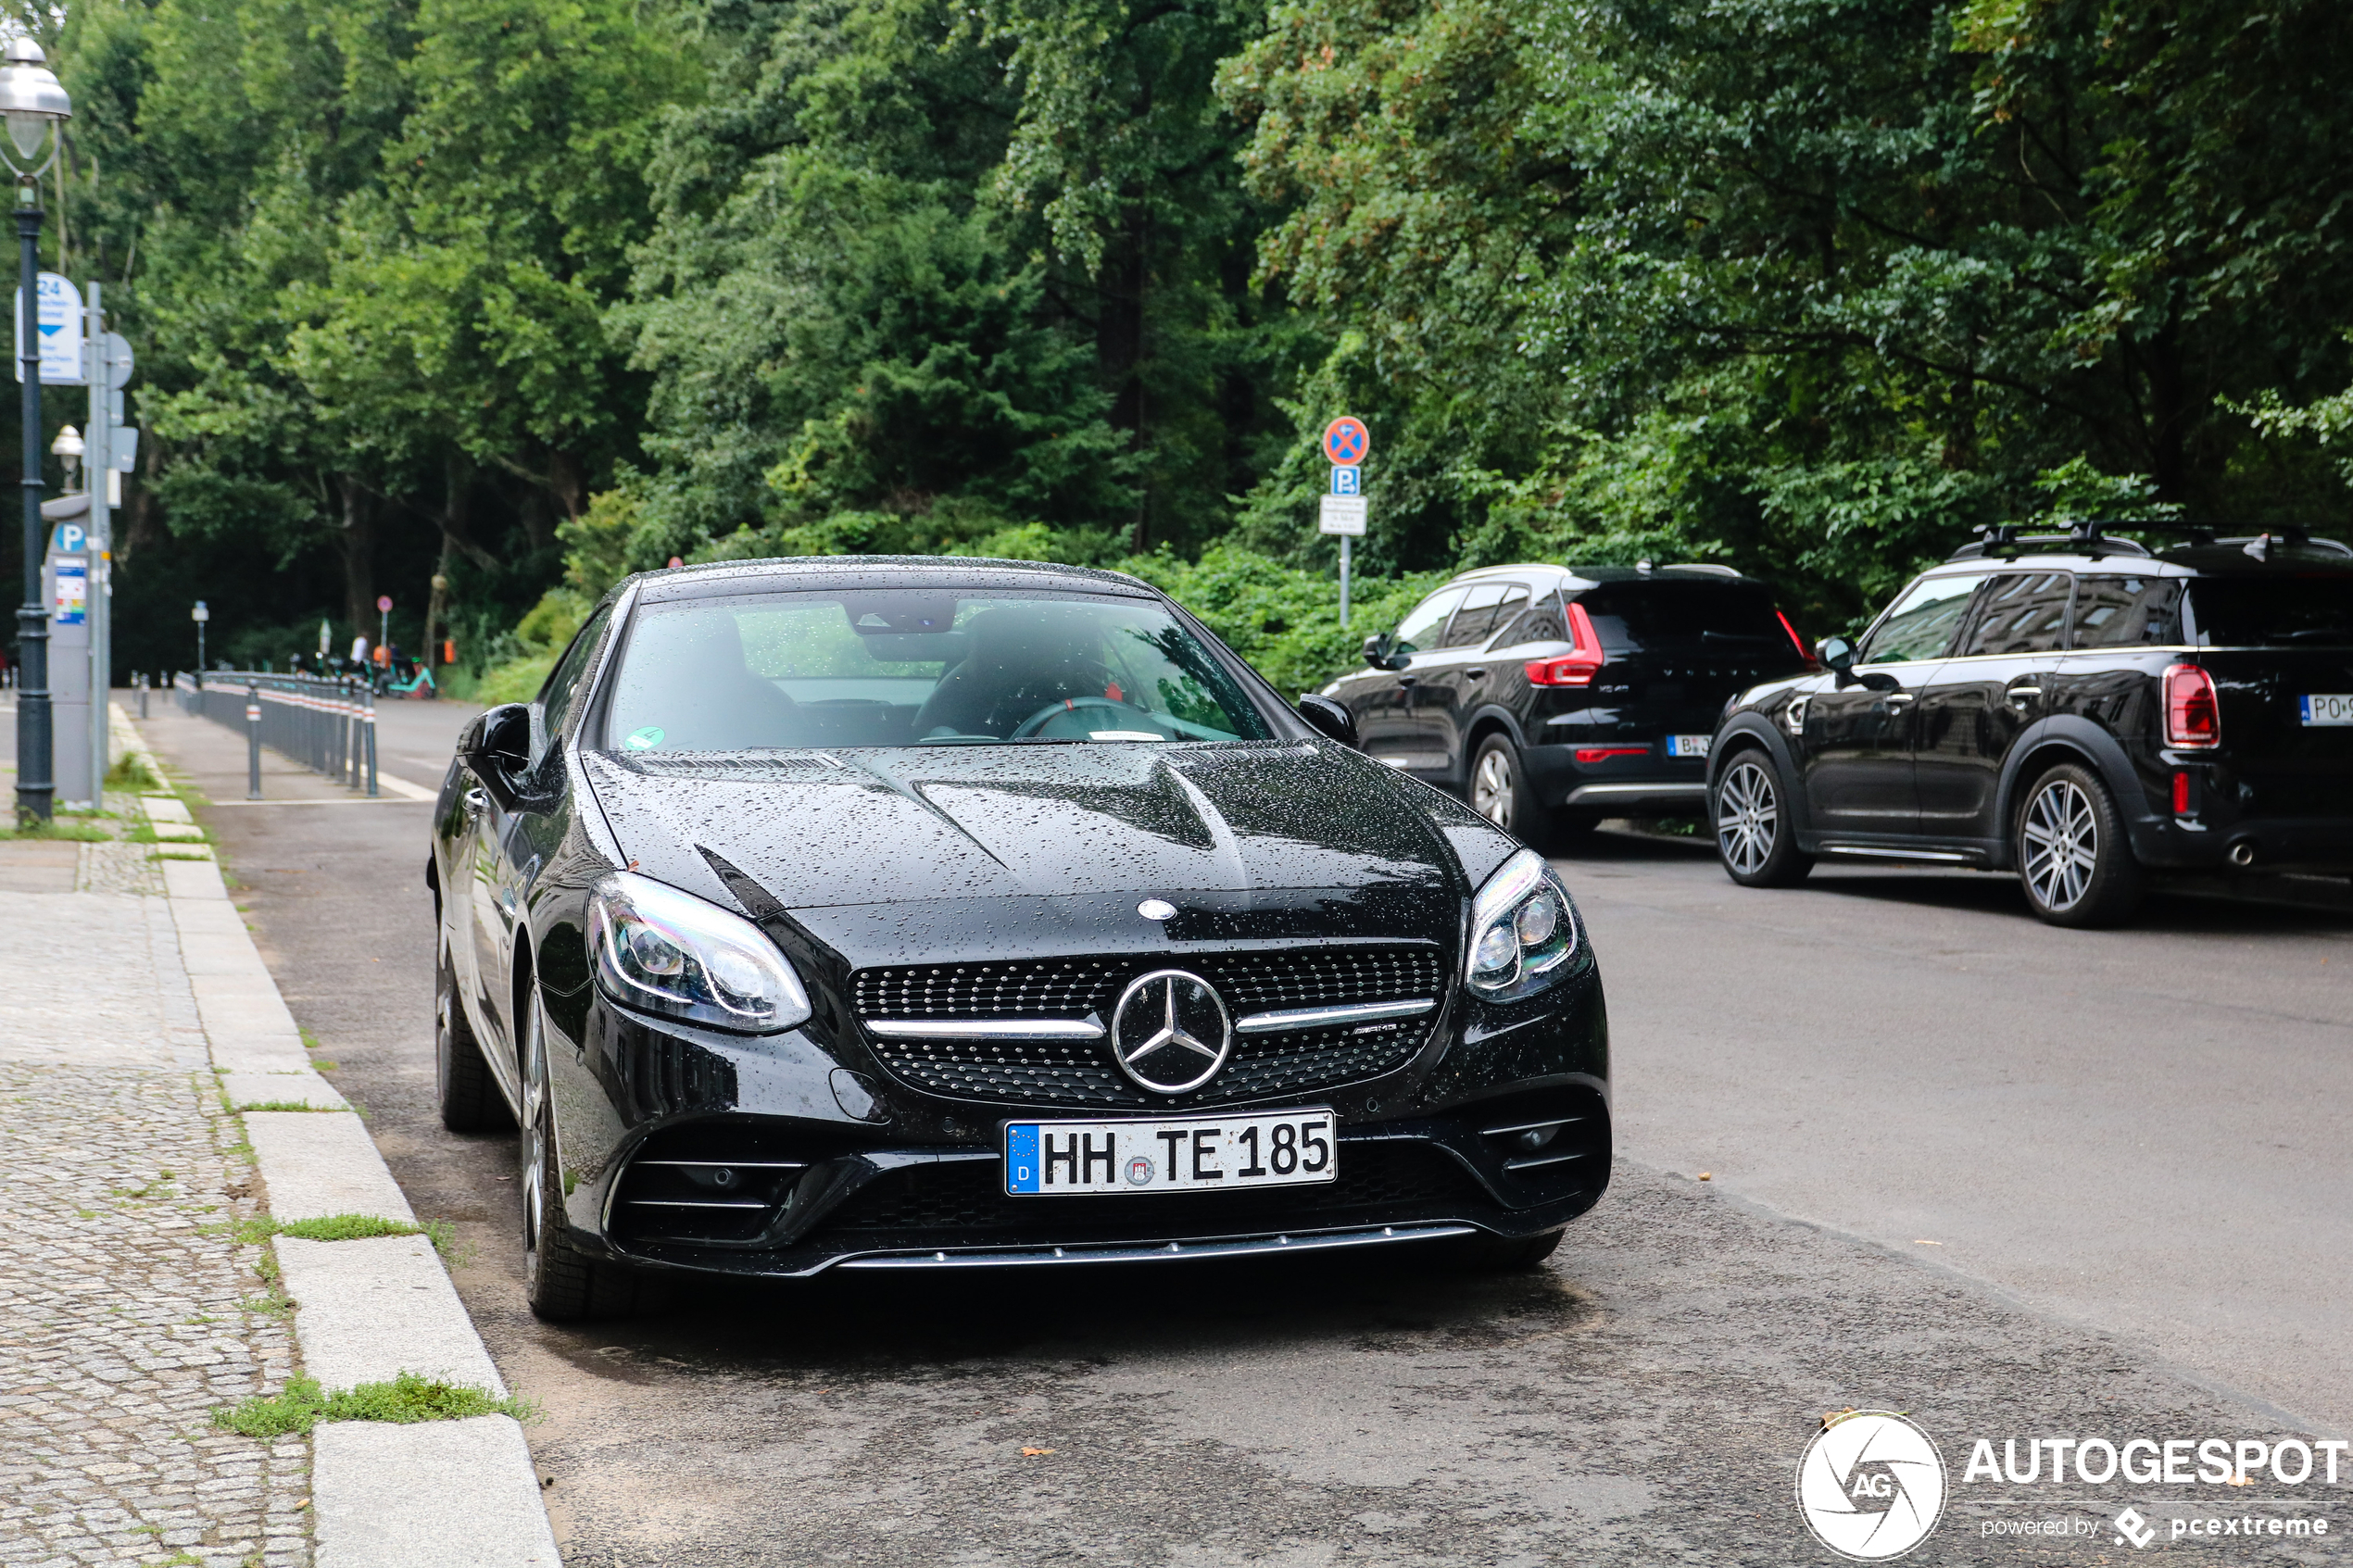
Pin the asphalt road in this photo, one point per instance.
(2127, 1148)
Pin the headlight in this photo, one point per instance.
(1523, 930)
(663, 951)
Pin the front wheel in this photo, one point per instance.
(2073, 858)
(1754, 836)
(563, 1281)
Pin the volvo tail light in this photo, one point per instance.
(2193, 715)
(1575, 669)
(1797, 642)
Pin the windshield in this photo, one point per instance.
(911, 667)
(2247, 612)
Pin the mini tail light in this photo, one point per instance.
(2180, 795)
(1590, 754)
(1799, 642)
(2193, 715)
(1575, 669)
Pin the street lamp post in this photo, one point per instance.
(200, 615)
(34, 110)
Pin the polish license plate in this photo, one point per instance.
(2335, 707)
(1688, 745)
(1173, 1154)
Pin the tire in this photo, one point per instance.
(1500, 792)
(1485, 1254)
(1754, 839)
(563, 1281)
(470, 1098)
(2074, 859)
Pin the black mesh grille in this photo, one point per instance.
(969, 1197)
(1080, 1071)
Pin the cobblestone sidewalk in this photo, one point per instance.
(127, 1314)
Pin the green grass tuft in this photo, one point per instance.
(408, 1398)
(77, 833)
(131, 775)
(339, 1227)
(288, 1105)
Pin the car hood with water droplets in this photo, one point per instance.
(1231, 828)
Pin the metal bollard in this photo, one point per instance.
(253, 742)
(367, 720)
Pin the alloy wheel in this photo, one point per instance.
(1492, 788)
(2062, 845)
(1748, 812)
(535, 1152)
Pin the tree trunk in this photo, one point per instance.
(1119, 344)
(355, 538)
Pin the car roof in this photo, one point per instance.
(788, 573)
(2203, 552)
(1576, 577)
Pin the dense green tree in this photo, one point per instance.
(1812, 286)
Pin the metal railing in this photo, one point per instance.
(325, 722)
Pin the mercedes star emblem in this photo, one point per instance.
(1169, 1032)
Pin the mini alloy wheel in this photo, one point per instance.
(1753, 835)
(2072, 857)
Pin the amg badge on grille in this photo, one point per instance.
(1170, 1031)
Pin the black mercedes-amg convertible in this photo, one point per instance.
(865, 913)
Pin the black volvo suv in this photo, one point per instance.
(1551, 697)
(2074, 708)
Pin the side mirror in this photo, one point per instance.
(1836, 653)
(1377, 650)
(1330, 718)
(496, 745)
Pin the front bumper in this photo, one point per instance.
(784, 1157)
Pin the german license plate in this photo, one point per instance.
(2335, 707)
(1688, 745)
(1174, 1154)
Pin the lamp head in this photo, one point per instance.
(31, 104)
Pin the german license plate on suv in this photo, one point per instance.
(2335, 707)
(1688, 745)
(1173, 1154)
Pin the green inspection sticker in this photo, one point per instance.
(644, 739)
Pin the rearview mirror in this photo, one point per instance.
(496, 745)
(1377, 650)
(1332, 720)
(1836, 653)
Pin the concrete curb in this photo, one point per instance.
(380, 1494)
(459, 1492)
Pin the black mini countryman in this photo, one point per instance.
(913, 914)
(2071, 708)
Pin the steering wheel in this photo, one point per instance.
(1046, 714)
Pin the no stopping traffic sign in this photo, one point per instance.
(1346, 440)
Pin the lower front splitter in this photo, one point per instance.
(1145, 1252)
